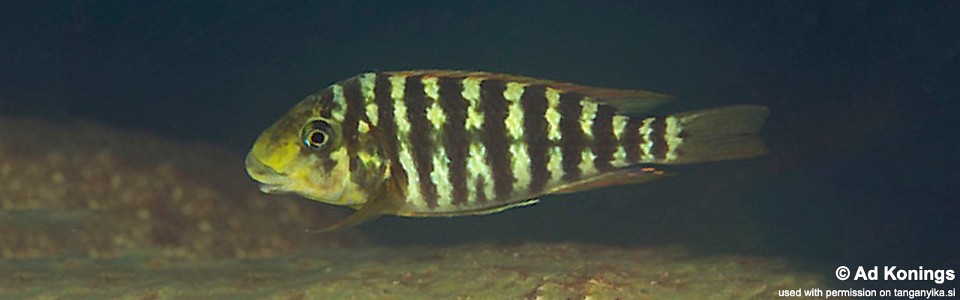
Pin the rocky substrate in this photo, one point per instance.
(78, 189)
(483, 271)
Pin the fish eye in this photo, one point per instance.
(316, 134)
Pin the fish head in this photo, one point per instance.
(303, 153)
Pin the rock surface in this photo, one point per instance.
(79, 189)
(484, 271)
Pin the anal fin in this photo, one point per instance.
(479, 211)
(497, 209)
(631, 175)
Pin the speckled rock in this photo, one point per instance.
(77, 189)
(483, 271)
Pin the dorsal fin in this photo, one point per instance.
(625, 101)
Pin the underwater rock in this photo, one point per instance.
(480, 271)
(82, 190)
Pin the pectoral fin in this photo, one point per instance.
(624, 176)
(383, 202)
(366, 213)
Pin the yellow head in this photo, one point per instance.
(304, 153)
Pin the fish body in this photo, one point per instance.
(449, 143)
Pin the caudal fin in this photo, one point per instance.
(724, 133)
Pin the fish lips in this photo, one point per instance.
(271, 181)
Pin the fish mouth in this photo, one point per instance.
(271, 181)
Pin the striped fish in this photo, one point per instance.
(450, 143)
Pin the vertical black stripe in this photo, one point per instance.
(455, 138)
(631, 139)
(534, 103)
(480, 190)
(325, 101)
(420, 142)
(604, 142)
(386, 129)
(325, 98)
(351, 118)
(494, 136)
(571, 136)
(658, 135)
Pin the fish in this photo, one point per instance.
(446, 143)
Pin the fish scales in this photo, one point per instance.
(478, 171)
(494, 136)
(619, 125)
(604, 143)
(368, 83)
(325, 111)
(518, 154)
(440, 175)
(555, 152)
(352, 100)
(325, 100)
(658, 128)
(447, 143)
(632, 140)
(420, 141)
(498, 152)
(646, 142)
(534, 101)
(365, 159)
(572, 140)
(455, 137)
(404, 145)
(388, 131)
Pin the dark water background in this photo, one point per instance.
(864, 162)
